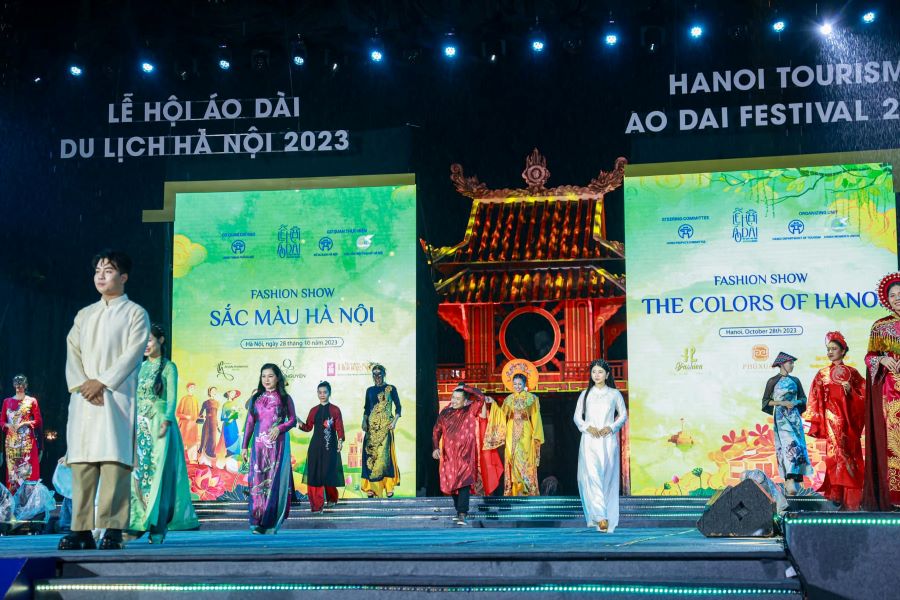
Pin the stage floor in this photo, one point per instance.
(461, 542)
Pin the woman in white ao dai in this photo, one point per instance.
(599, 415)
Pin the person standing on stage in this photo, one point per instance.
(161, 493)
(270, 418)
(103, 357)
(785, 400)
(380, 473)
(324, 473)
(836, 414)
(23, 428)
(881, 489)
(187, 413)
(599, 415)
(517, 425)
(455, 442)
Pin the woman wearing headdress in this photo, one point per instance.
(836, 413)
(23, 428)
(599, 415)
(785, 400)
(881, 489)
(267, 449)
(161, 491)
(380, 473)
(516, 424)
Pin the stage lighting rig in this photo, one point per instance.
(298, 51)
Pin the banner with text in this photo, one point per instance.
(724, 271)
(320, 282)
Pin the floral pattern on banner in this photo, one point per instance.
(210, 483)
(742, 450)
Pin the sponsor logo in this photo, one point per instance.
(745, 225)
(839, 224)
(238, 246)
(225, 370)
(760, 353)
(348, 368)
(326, 244)
(688, 361)
(290, 373)
(364, 241)
(685, 232)
(796, 227)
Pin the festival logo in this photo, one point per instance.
(796, 227)
(745, 225)
(688, 361)
(289, 242)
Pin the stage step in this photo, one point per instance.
(431, 512)
(645, 562)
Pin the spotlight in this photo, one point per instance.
(450, 49)
(298, 52)
(376, 56)
(538, 39)
(376, 49)
(537, 45)
(223, 56)
(147, 67)
(75, 71)
(778, 26)
(869, 17)
(696, 32)
(493, 49)
(826, 28)
(611, 39)
(37, 79)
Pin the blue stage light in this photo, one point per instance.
(36, 80)
(611, 39)
(75, 71)
(450, 51)
(826, 28)
(376, 55)
(869, 17)
(537, 46)
(778, 26)
(147, 67)
(299, 61)
(696, 31)
(224, 64)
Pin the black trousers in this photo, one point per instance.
(461, 500)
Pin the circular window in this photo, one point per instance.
(530, 333)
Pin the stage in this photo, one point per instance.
(404, 547)
(538, 546)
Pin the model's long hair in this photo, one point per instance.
(610, 382)
(280, 387)
(159, 384)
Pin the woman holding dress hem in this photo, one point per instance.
(599, 414)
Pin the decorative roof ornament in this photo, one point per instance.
(536, 175)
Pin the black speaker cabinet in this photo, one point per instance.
(744, 510)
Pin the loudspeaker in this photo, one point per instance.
(745, 510)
